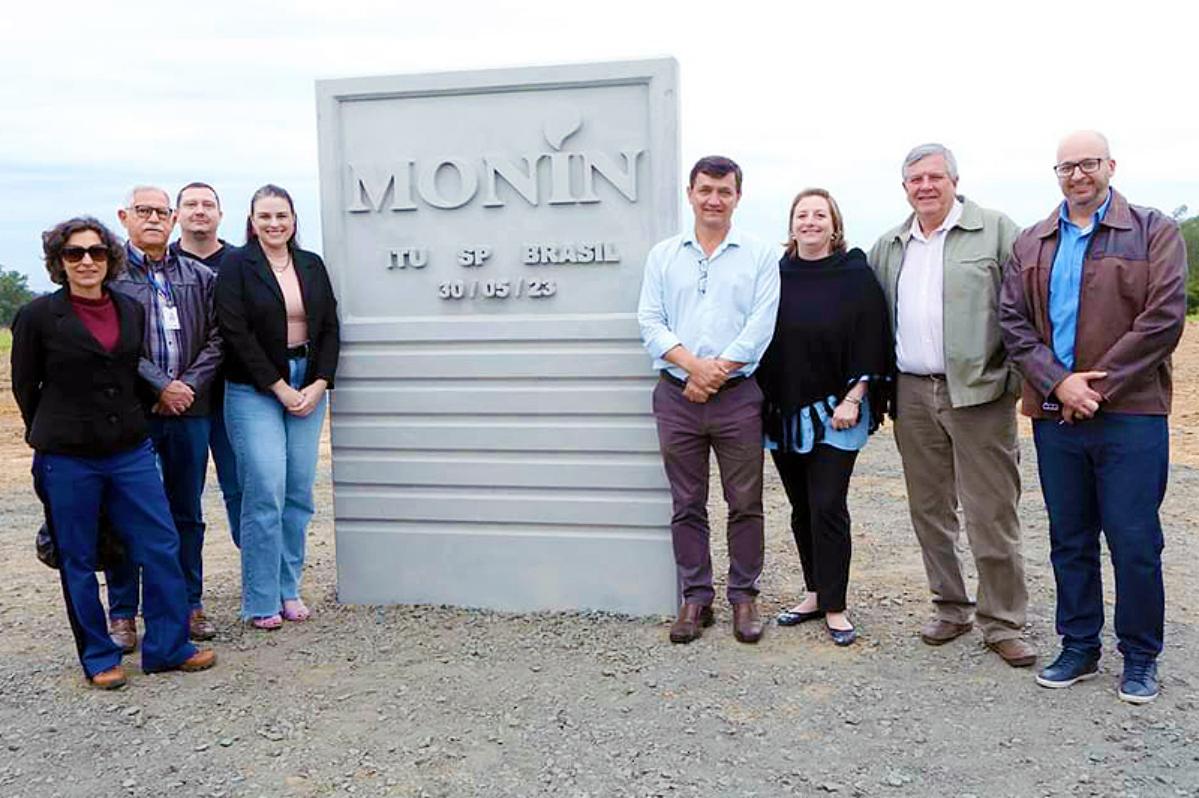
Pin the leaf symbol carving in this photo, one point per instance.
(563, 124)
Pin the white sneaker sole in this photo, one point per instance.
(1136, 699)
(1069, 683)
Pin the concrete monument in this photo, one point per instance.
(492, 438)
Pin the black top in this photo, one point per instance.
(832, 330)
(213, 261)
(75, 397)
(253, 318)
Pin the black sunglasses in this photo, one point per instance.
(98, 254)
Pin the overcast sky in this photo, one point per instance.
(97, 97)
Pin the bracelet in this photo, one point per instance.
(852, 400)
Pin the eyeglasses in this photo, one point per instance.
(1089, 166)
(146, 211)
(98, 254)
(703, 276)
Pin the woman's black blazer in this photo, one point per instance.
(253, 318)
(75, 397)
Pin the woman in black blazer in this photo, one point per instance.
(74, 374)
(278, 318)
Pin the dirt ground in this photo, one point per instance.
(433, 701)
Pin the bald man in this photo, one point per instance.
(1093, 304)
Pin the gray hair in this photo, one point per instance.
(925, 150)
(133, 192)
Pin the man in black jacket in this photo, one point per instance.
(181, 352)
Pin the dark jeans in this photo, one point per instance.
(226, 462)
(130, 489)
(817, 485)
(1107, 474)
(730, 423)
(181, 444)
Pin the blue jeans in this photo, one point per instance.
(181, 445)
(276, 463)
(226, 462)
(130, 488)
(1106, 474)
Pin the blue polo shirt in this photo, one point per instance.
(1065, 280)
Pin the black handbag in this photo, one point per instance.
(110, 552)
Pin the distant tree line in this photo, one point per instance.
(14, 292)
(1190, 233)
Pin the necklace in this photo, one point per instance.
(278, 270)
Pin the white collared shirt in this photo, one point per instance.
(920, 299)
(719, 305)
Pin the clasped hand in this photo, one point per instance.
(175, 399)
(302, 402)
(1078, 399)
(707, 376)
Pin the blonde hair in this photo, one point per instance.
(837, 243)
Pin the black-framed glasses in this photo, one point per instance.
(146, 211)
(703, 276)
(1089, 166)
(98, 254)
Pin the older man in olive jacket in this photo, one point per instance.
(955, 417)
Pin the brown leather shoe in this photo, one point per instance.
(199, 627)
(938, 632)
(202, 660)
(123, 632)
(690, 623)
(110, 679)
(1015, 651)
(747, 623)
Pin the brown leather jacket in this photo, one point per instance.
(1131, 310)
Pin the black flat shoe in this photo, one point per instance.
(842, 637)
(792, 618)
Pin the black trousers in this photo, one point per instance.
(817, 485)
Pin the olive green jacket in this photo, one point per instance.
(976, 365)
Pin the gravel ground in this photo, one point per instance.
(431, 701)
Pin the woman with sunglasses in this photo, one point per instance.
(278, 320)
(74, 374)
(825, 379)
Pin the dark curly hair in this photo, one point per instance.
(54, 239)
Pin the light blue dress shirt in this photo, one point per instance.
(803, 433)
(723, 305)
(1065, 280)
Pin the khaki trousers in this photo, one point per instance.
(965, 457)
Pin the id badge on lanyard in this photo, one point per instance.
(170, 313)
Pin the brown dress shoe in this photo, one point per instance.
(123, 632)
(747, 623)
(110, 679)
(199, 627)
(1015, 651)
(202, 660)
(938, 632)
(690, 623)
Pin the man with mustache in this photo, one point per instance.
(1094, 303)
(955, 416)
(180, 356)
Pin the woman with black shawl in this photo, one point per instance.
(826, 379)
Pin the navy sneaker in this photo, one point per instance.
(1138, 684)
(1071, 666)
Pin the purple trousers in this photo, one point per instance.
(730, 423)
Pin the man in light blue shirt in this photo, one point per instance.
(707, 313)
(1065, 281)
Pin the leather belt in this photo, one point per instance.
(933, 377)
(731, 382)
(296, 352)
